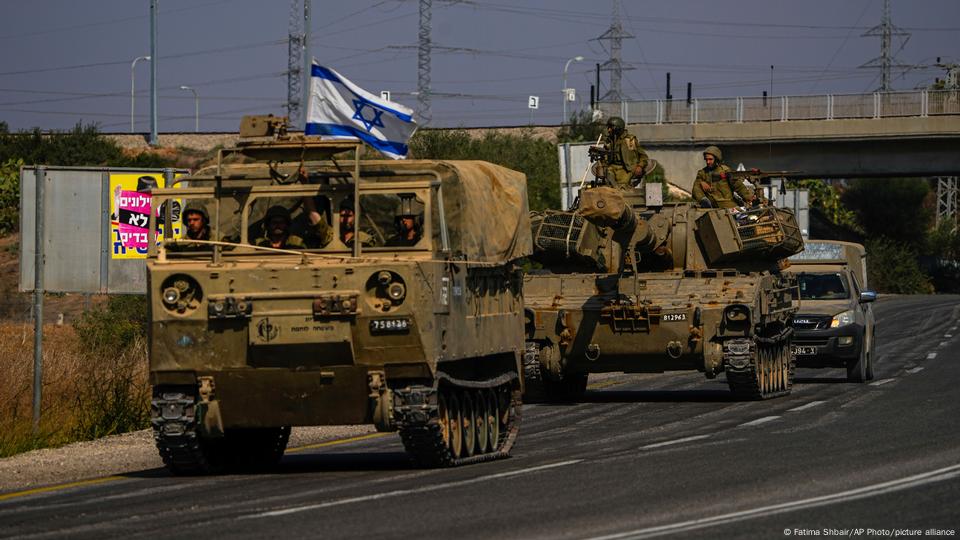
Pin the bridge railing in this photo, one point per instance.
(918, 103)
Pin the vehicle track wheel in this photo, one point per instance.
(443, 417)
(456, 425)
(480, 416)
(493, 419)
(469, 415)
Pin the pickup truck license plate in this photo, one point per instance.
(803, 351)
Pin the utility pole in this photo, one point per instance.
(298, 62)
(615, 35)
(423, 63)
(154, 139)
(885, 30)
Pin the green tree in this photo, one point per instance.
(581, 128)
(892, 208)
(535, 157)
(892, 268)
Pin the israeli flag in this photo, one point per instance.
(339, 109)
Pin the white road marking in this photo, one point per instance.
(759, 421)
(915, 370)
(943, 343)
(931, 356)
(872, 490)
(810, 405)
(399, 492)
(948, 335)
(881, 382)
(677, 441)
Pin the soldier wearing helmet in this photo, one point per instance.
(627, 161)
(408, 221)
(715, 186)
(276, 230)
(196, 222)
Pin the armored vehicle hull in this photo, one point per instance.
(696, 289)
(422, 335)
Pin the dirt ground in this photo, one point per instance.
(118, 455)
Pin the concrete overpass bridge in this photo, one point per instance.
(827, 136)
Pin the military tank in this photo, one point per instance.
(416, 328)
(631, 285)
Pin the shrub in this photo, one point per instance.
(893, 268)
(10, 195)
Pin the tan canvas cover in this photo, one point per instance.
(485, 205)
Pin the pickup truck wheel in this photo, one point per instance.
(870, 361)
(857, 369)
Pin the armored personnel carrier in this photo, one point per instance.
(332, 290)
(633, 286)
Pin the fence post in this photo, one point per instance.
(876, 105)
(829, 106)
(783, 108)
(924, 103)
(40, 175)
(739, 110)
(623, 112)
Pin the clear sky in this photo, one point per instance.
(64, 61)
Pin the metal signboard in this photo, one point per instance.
(93, 228)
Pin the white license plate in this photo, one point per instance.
(803, 351)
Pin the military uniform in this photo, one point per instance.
(626, 156)
(710, 184)
(292, 241)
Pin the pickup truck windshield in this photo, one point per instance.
(832, 286)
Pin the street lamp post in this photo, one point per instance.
(196, 108)
(564, 90)
(133, 66)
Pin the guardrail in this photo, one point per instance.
(919, 103)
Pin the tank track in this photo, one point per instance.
(423, 415)
(768, 366)
(176, 431)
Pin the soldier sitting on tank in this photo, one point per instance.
(348, 227)
(627, 159)
(714, 186)
(276, 230)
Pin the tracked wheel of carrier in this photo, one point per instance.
(760, 367)
(176, 430)
(540, 388)
(457, 422)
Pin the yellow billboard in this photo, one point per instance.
(130, 214)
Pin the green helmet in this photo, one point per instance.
(715, 152)
(277, 211)
(616, 123)
(194, 208)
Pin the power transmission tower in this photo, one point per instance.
(947, 201)
(296, 58)
(423, 64)
(885, 30)
(615, 35)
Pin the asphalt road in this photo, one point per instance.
(646, 455)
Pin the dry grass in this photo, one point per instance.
(86, 393)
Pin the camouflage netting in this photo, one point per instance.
(485, 205)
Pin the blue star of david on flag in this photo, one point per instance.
(359, 105)
(339, 109)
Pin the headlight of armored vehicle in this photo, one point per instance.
(842, 319)
(180, 294)
(385, 289)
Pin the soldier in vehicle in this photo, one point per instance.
(408, 223)
(714, 186)
(317, 233)
(348, 227)
(628, 160)
(276, 230)
(196, 222)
